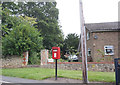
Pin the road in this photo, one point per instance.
(6, 79)
(61, 81)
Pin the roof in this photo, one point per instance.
(100, 27)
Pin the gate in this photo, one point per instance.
(117, 70)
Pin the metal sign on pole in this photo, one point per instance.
(83, 45)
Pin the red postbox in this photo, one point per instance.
(56, 52)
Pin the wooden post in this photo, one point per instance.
(83, 45)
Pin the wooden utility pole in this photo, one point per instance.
(83, 45)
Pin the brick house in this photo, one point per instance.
(103, 41)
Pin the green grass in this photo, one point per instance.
(43, 73)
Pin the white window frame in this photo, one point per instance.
(88, 35)
(88, 52)
(110, 48)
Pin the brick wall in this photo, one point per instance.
(89, 44)
(104, 38)
(44, 56)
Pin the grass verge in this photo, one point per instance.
(44, 73)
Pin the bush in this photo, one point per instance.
(23, 37)
(34, 59)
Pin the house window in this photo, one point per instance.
(88, 35)
(89, 52)
(109, 50)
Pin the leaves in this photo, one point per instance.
(23, 37)
(46, 15)
(26, 26)
(71, 43)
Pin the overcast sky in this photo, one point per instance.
(95, 11)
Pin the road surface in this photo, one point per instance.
(6, 79)
(61, 81)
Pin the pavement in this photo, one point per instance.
(64, 81)
(6, 79)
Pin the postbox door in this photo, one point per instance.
(55, 53)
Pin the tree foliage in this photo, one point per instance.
(71, 43)
(46, 15)
(22, 37)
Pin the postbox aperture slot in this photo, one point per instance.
(54, 50)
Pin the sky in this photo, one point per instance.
(94, 11)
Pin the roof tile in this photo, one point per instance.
(107, 26)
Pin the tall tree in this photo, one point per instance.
(71, 43)
(46, 15)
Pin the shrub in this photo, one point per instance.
(23, 37)
(34, 58)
